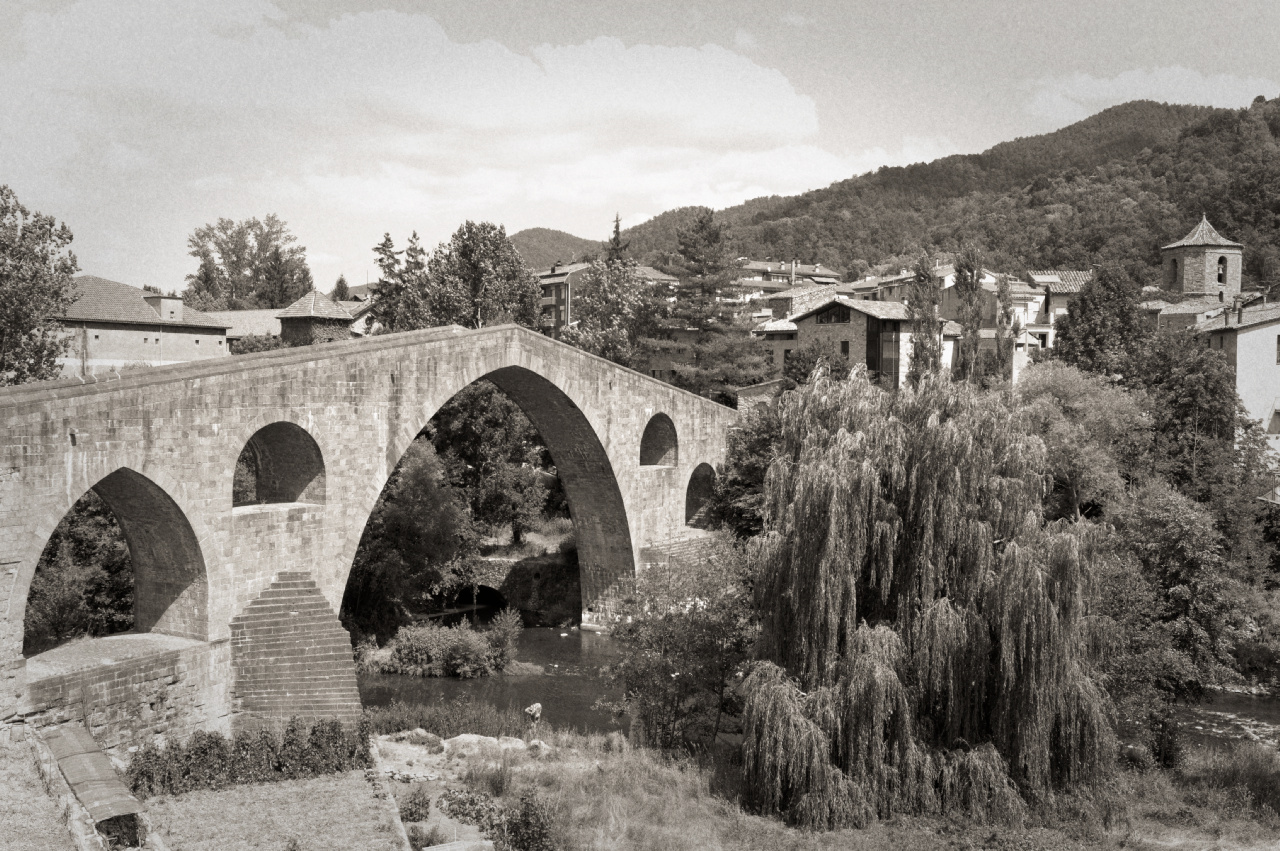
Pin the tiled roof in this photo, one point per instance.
(775, 267)
(245, 323)
(356, 308)
(102, 300)
(776, 325)
(878, 309)
(952, 329)
(1193, 307)
(652, 274)
(1204, 234)
(364, 292)
(315, 305)
(1062, 280)
(1260, 315)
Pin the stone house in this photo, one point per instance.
(1060, 287)
(314, 318)
(113, 325)
(873, 333)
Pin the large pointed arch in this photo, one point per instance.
(170, 583)
(600, 523)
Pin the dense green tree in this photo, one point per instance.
(478, 279)
(715, 364)
(83, 584)
(923, 631)
(341, 291)
(283, 281)
(494, 456)
(36, 288)
(685, 632)
(246, 264)
(738, 501)
(1097, 434)
(612, 307)
(1103, 328)
(805, 360)
(1008, 329)
(415, 543)
(707, 273)
(923, 296)
(257, 343)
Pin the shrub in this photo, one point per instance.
(529, 827)
(210, 761)
(491, 778)
(416, 805)
(473, 808)
(1247, 765)
(468, 654)
(420, 837)
(503, 635)
(446, 719)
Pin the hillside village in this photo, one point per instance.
(789, 306)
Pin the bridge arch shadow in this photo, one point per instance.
(659, 445)
(697, 497)
(170, 586)
(280, 462)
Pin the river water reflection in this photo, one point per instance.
(567, 688)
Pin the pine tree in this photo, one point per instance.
(615, 250)
(922, 629)
(341, 291)
(400, 302)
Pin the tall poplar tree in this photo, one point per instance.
(969, 288)
(923, 295)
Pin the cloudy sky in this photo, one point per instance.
(136, 121)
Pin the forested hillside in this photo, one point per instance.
(1113, 187)
(540, 247)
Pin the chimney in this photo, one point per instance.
(553, 266)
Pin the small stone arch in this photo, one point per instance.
(697, 496)
(659, 445)
(281, 462)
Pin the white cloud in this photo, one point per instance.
(1066, 99)
(139, 121)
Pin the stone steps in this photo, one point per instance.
(291, 655)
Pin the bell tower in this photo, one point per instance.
(1202, 263)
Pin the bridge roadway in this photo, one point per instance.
(255, 589)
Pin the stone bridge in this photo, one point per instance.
(236, 606)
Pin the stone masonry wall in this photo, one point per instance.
(128, 703)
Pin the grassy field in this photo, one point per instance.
(603, 795)
(336, 813)
(28, 816)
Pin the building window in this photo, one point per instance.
(95, 336)
(1173, 271)
(197, 342)
(1222, 270)
(145, 341)
(219, 343)
(844, 348)
(838, 313)
(786, 353)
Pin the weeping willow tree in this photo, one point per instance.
(924, 634)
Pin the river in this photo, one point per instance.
(570, 684)
(567, 687)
